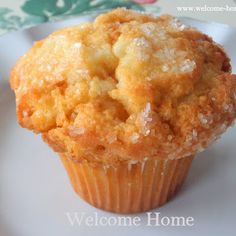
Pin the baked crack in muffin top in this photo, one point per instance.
(128, 86)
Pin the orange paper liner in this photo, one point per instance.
(130, 187)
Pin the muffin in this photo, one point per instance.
(126, 101)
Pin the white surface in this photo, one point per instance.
(35, 193)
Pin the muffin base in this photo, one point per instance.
(129, 187)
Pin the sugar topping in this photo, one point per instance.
(134, 137)
(223, 127)
(111, 138)
(161, 34)
(40, 83)
(78, 91)
(77, 45)
(25, 114)
(172, 56)
(165, 68)
(141, 42)
(82, 72)
(191, 137)
(48, 78)
(176, 24)
(188, 139)
(49, 68)
(147, 111)
(142, 56)
(148, 78)
(195, 133)
(73, 115)
(166, 53)
(187, 65)
(148, 28)
(203, 119)
(228, 107)
(76, 131)
(145, 119)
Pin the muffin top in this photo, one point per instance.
(128, 86)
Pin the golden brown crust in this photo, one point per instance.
(127, 87)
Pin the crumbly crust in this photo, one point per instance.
(128, 86)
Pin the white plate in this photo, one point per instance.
(35, 193)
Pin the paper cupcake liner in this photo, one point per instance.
(130, 187)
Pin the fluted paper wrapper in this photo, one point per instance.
(129, 187)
